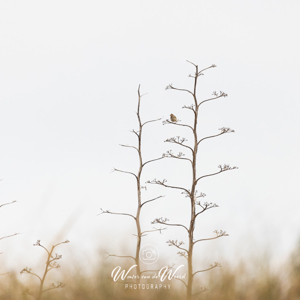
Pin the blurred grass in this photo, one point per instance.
(253, 280)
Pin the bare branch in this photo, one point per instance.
(208, 137)
(208, 175)
(150, 121)
(181, 281)
(205, 206)
(192, 63)
(170, 87)
(135, 132)
(176, 244)
(191, 107)
(115, 213)
(178, 124)
(155, 181)
(155, 229)
(121, 171)
(128, 146)
(222, 169)
(179, 141)
(54, 286)
(28, 271)
(160, 220)
(64, 242)
(226, 130)
(223, 130)
(53, 261)
(187, 194)
(4, 237)
(226, 168)
(183, 254)
(218, 235)
(201, 195)
(8, 203)
(152, 160)
(152, 200)
(139, 93)
(180, 155)
(164, 222)
(200, 72)
(38, 243)
(217, 95)
(215, 265)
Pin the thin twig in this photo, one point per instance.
(8, 203)
(152, 160)
(168, 186)
(121, 171)
(115, 213)
(152, 200)
(219, 234)
(128, 146)
(216, 265)
(151, 121)
(4, 237)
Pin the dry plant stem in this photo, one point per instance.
(140, 204)
(47, 269)
(194, 182)
(139, 186)
(11, 235)
(139, 194)
(192, 192)
(4, 237)
(8, 203)
(51, 263)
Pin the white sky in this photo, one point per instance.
(69, 71)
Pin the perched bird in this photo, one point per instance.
(173, 118)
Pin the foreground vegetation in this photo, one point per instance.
(247, 280)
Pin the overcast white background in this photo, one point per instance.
(69, 72)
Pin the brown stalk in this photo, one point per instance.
(191, 192)
(51, 263)
(140, 203)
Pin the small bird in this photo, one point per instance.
(173, 118)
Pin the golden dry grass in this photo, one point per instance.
(248, 280)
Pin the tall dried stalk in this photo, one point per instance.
(191, 192)
(140, 203)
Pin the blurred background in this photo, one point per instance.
(69, 73)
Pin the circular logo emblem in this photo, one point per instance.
(149, 254)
